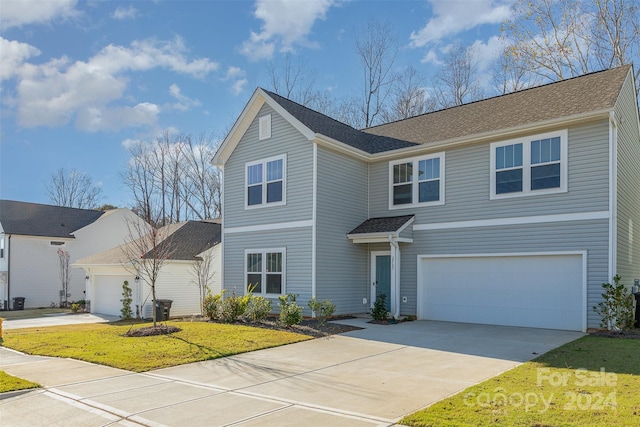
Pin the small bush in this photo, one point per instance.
(125, 311)
(290, 312)
(75, 307)
(617, 308)
(323, 310)
(234, 307)
(379, 310)
(258, 309)
(212, 305)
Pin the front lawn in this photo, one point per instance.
(11, 383)
(106, 345)
(593, 381)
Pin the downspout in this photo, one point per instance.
(8, 272)
(395, 256)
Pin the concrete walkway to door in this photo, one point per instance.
(372, 376)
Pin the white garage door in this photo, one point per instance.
(107, 293)
(545, 291)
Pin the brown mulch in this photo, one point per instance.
(633, 334)
(151, 331)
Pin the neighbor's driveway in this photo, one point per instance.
(368, 377)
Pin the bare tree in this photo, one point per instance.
(409, 97)
(65, 275)
(73, 189)
(377, 49)
(146, 251)
(292, 79)
(510, 74)
(558, 39)
(174, 176)
(202, 272)
(455, 82)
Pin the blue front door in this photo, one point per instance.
(383, 278)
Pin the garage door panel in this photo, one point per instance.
(536, 291)
(107, 294)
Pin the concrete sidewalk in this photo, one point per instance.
(372, 376)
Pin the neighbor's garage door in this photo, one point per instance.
(533, 291)
(107, 293)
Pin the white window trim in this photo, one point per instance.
(415, 187)
(264, 127)
(264, 162)
(526, 165)
(283, 251)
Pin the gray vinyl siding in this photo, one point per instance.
(297, 243)
(628, 194)
(341, 269)
(467, 183)
(285, 139)
(590, 236)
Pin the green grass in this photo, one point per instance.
(32, 313)
(106, 344)
(552, 391)
(11, 383)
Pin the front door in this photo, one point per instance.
(381, 277)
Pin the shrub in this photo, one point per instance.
(234, 307)
(125, 311)
(290, 312)
(258, 309)
(617, 308)
(212, 305)
(379, 310)
(323, 310)
(75, 307)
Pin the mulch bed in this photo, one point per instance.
(633, 334)
(151, 331)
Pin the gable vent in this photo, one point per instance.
(264, 131)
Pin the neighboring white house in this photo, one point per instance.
(189, 243)
(30, 236)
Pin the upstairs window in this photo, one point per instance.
(417, 181)
(265, 182)
(265, 271)
(528, 166)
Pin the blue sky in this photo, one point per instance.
(81, 80)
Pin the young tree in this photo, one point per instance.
(202, 272)
(146, 251)
(73, 189)
(65, 275)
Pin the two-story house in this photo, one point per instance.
(511, 210)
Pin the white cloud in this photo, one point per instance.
(122, 13)
(13, 54)
(234, 73)
(286, 23)
(455, 16)
(93, 92)
(237, 77)
(184, 102)
(16, 13)
(238, 86)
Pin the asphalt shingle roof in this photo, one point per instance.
(325, 125)
(579, 95)
(191, 239)
(32, 219)
(388, 224)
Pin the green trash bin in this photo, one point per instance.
(163, 309)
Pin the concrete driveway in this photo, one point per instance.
(372, 376)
